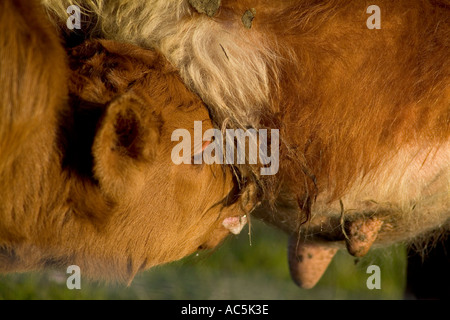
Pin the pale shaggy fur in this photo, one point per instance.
(229, 70)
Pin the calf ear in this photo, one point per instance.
(126, 141)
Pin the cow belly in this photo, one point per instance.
(409, 197)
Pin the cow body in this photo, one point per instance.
(363, 113)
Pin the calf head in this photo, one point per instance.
(153, 210)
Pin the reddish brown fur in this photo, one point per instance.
(93, 184)
(347, 92)
(349, 98)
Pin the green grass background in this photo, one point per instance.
(236, 270)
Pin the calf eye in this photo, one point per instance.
(200, 154)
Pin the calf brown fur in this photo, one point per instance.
(86, 171)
